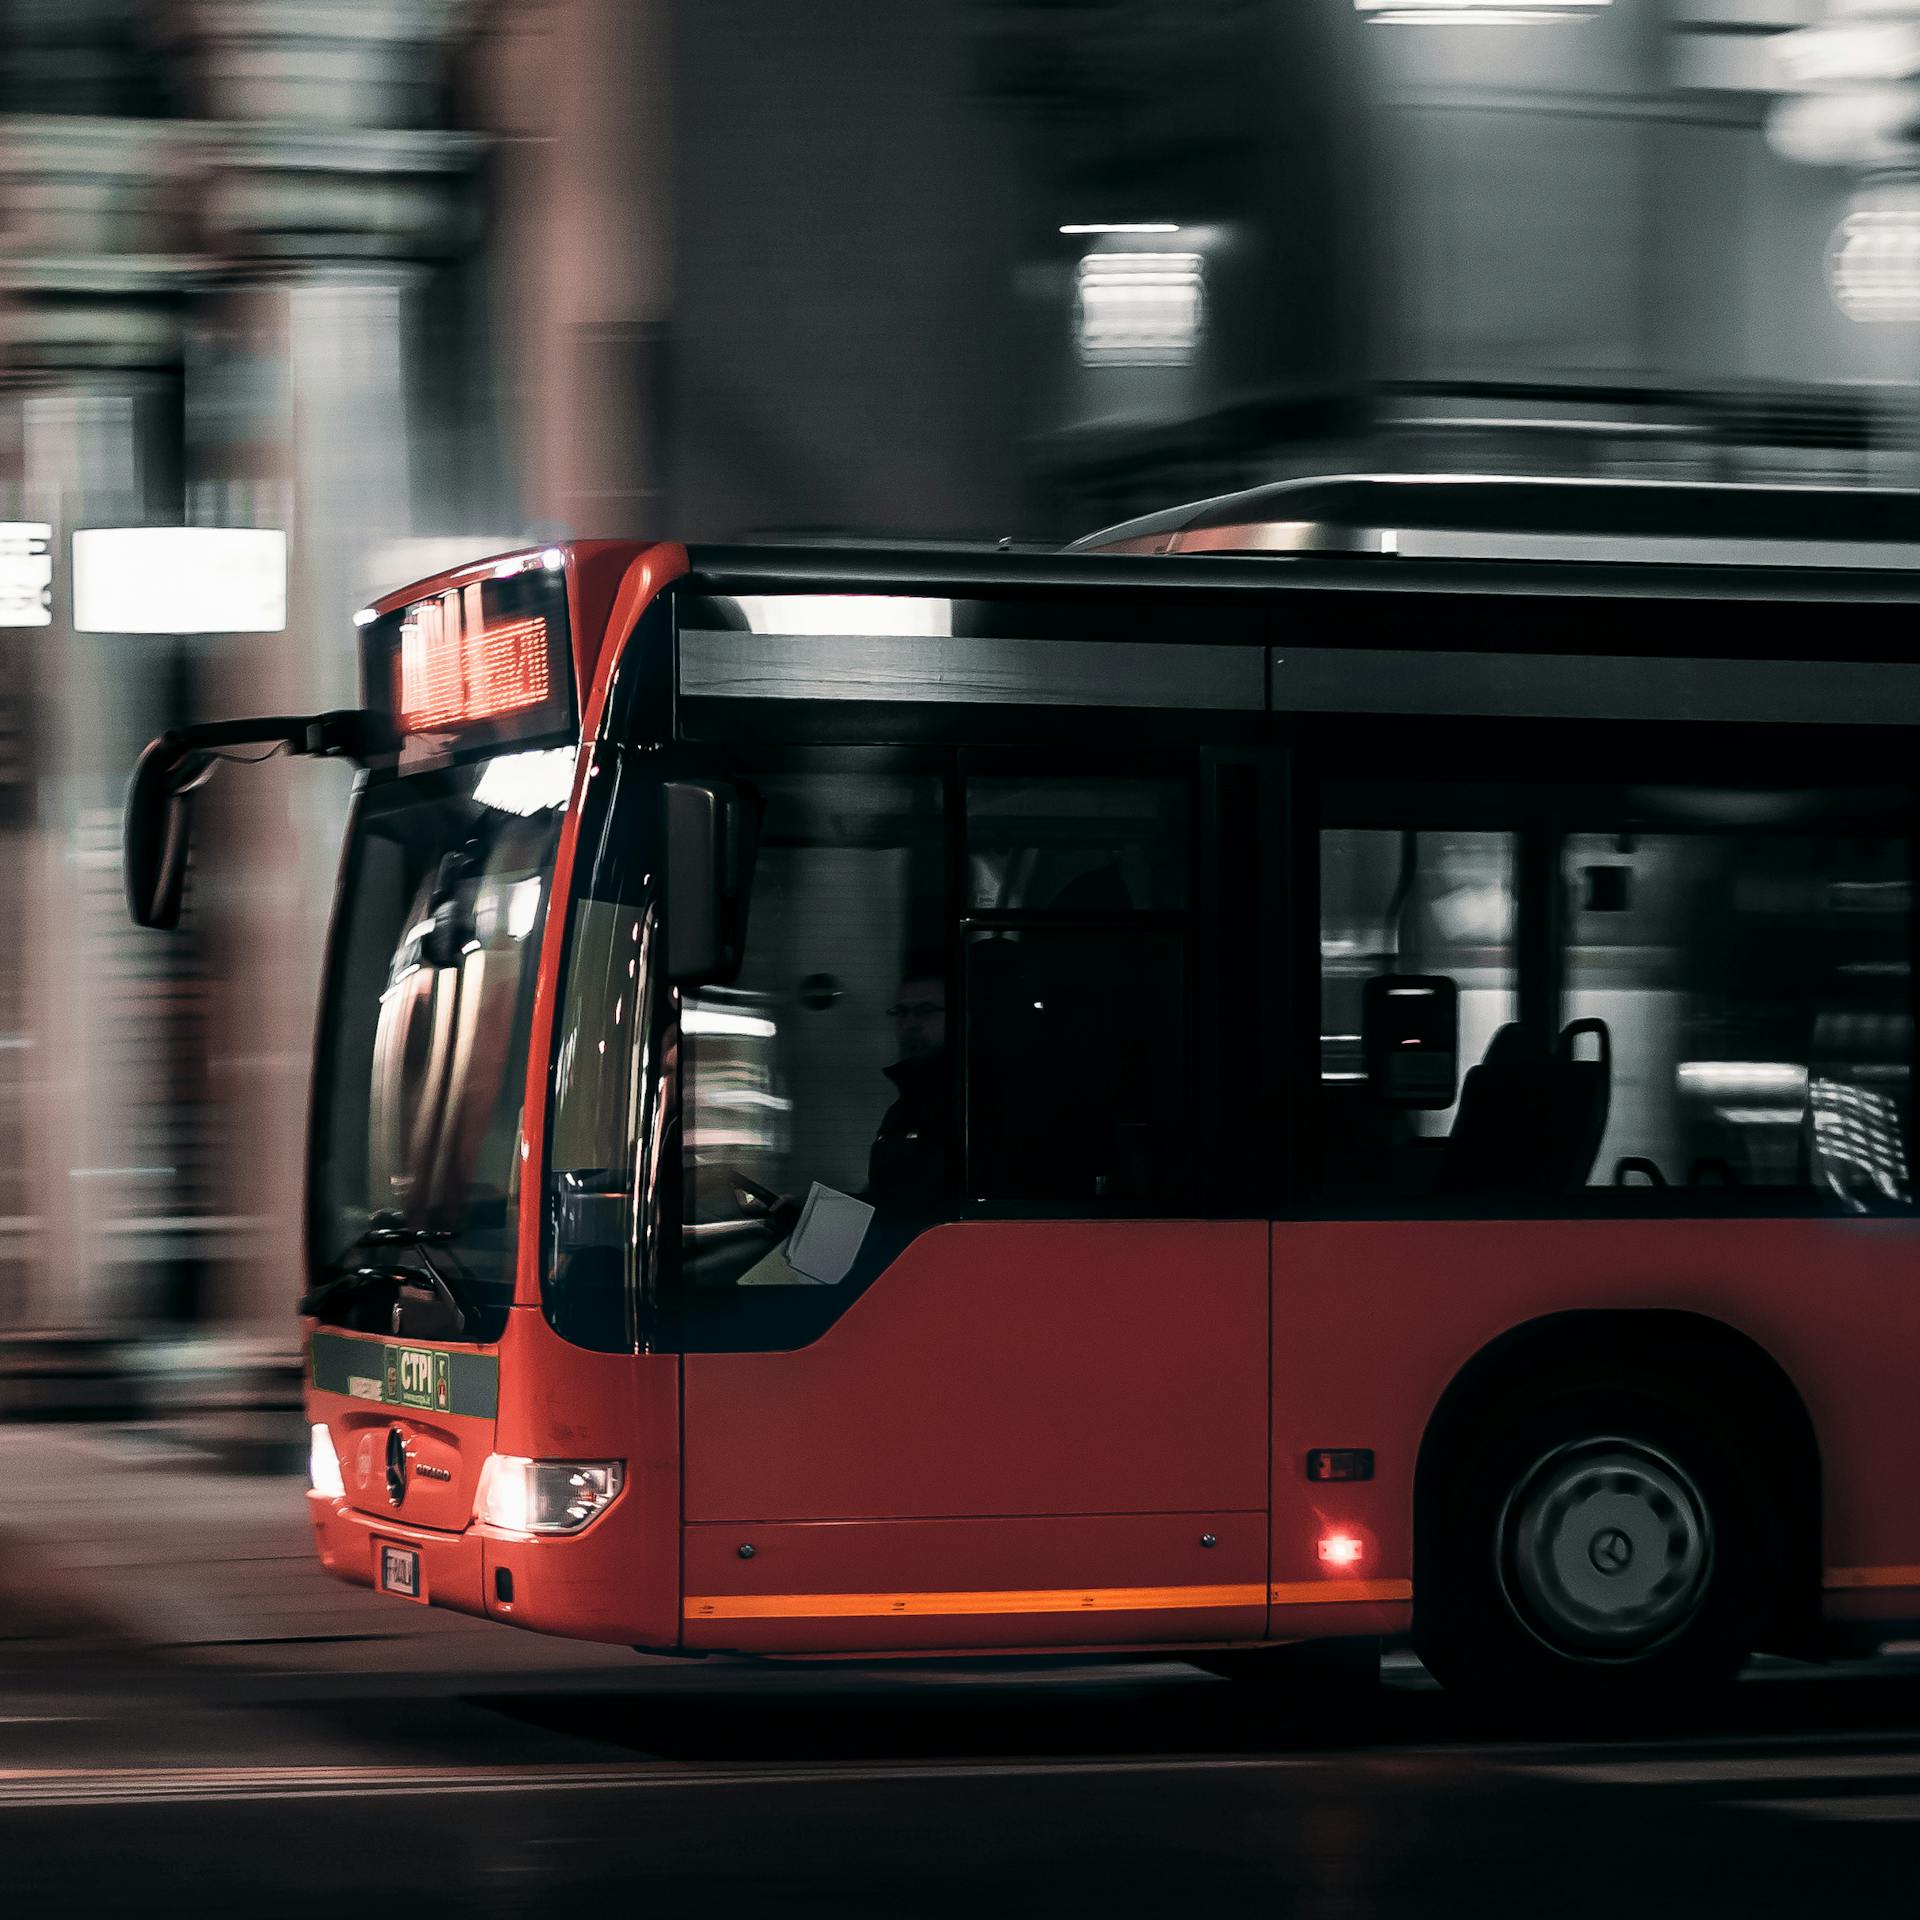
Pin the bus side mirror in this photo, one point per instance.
(1410, 1039)
(712, 836)
(158, 829)
(157, 826)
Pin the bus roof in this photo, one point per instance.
(1499, 517)
(956, 572)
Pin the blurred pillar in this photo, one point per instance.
(94, 1130)
(332, 209)
(577, 92)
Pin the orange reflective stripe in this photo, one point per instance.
(836, 1606)
(1308, 1593)
(847, 1606)
(1872, 1577)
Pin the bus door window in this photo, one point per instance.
(601, 1198)
(1091, 845)
(1076, 975)
(1076, 1066)
(817, 1093)
(1411, 900)
(1754, 982)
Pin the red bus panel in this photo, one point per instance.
(1042, 1421)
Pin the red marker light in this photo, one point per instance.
(1340, 1550)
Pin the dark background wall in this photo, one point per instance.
(840, 354)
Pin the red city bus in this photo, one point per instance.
(920, 1102)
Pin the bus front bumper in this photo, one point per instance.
(581, 1586)
(450, 1568)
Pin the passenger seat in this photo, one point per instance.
(1525, 1126)
(1579, 1097)
(1495, 1136)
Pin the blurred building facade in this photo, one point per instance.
(413, 278)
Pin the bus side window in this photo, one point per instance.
(1416, 901)
(1077, 972)
(1755, 983)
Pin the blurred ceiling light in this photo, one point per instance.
(833, 615)
(180, 580)
(1873, 260)
(1838, 55)
(1867, 126)
(1140, 309)
(1122, 226)
(26, 573)
(1476, 13)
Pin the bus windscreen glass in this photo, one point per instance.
(430, 998)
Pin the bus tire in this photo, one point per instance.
(1586, 1549)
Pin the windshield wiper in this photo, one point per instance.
(389, 1229)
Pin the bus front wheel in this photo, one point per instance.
(1588, 1551)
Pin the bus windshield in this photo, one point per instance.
(422, 1077)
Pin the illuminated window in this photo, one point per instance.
(1723, 1012)
(1139, 309)
(1874, 263)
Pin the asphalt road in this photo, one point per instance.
(134, 1786)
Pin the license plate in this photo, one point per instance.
(400, 1572)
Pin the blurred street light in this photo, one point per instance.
(26, 573)
(180, 580)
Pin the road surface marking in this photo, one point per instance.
(1885, 1809)
(23, 1787)
(1741, 1771)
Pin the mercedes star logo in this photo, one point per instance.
(1610, 1551)
(396, 1466)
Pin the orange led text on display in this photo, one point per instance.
(453, 667)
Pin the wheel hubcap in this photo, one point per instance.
(1606, 1548)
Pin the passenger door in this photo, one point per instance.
(1030, 1408)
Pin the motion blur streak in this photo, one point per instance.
(489, 276)
(301, 303)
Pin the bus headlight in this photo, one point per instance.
(544, 1496)
(323, 1464)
